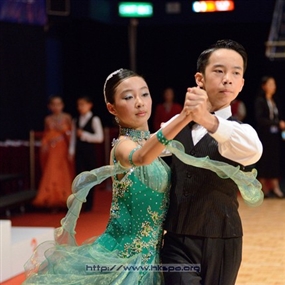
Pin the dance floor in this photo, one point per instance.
(263, 260)
(263, 247)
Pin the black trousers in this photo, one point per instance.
(218, 259)
(85, 160)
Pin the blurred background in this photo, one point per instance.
(68, 47)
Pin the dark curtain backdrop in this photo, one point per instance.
(89, 51)
(22, 79)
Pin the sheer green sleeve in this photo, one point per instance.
(81, 186)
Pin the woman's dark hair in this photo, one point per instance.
(203, 58)
(263, 81)
(86, 98)
(113, 80)
(265, 78)
(54, 96)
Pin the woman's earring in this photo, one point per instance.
(117, 120)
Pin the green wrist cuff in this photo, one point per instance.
(161, 138)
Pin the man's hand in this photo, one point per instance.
(200, 107)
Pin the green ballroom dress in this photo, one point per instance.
(128, 251)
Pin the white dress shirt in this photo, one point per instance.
(237, 142)
(96, 137)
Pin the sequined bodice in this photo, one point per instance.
(139, 205)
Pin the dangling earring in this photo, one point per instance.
(117, 120)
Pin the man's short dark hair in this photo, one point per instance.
(203, 58)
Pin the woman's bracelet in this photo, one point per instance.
(161, 138)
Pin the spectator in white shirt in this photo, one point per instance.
(86, 132)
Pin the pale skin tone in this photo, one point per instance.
(83, 108)
(56, 119)
(56, 107)
(132, 106)
(221, 83)
(217, 87)
(168, 96)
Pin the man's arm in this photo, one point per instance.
(238, 142)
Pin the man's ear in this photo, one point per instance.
(111, 109)
(242, 85)
(199, 79)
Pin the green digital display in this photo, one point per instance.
(135, 9)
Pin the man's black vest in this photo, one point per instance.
(201, 203)
(83, 146)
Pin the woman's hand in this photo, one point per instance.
(199, 106)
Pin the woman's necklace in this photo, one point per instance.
(135, 135)
(57, 120)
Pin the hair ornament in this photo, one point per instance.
(110, 76)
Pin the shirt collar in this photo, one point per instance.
(224, 113)
(87, 115)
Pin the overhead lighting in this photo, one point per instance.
(212, 6)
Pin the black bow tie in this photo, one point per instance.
(191, 124)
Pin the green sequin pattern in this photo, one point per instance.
(138, 211)
(132, 237)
